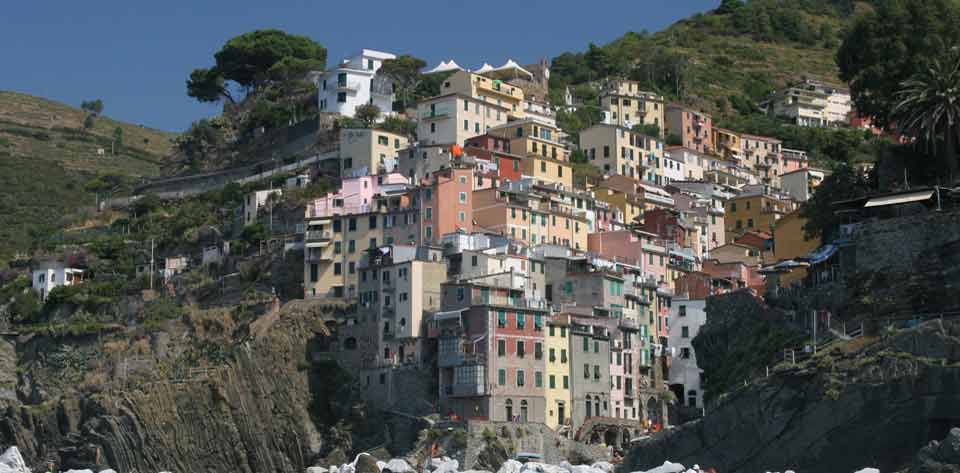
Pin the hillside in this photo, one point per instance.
(46, 158)
(725, 60)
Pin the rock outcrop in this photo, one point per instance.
(939, 457)
(868, 402)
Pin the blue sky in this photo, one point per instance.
(136, 54)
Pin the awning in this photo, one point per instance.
(821, 254)
(899, 199)
(450, 314)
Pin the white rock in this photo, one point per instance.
(511, 466)
(447, 466)
(108, 470)
(606, 467)
(334, 469)
(868, 470)
(316, 469)
(667, 467)
(397, 465)
(12, 462)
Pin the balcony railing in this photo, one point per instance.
(319, 235)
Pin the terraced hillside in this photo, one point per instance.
(47, 158)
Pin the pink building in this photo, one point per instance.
(446, 199)
(620, 245)
(355, 195)
(693, 127)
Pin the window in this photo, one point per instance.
(553, 382)
(352, 224)
(370, 64)
(337, 247)
(433, 127)
(538, 379)
(502, 319)
(466, 105)
(373, 222)
(466, 125)
(586, 371)
(337, 268)
(553, 355)
(685, 332)
(383, 140)
(520, 380)
(341, 97)
(552, 332)
(373, 243)
(352, 246)
(352, 267)
(749, 223)
(566, 382)
(314, 273)
(606, 151)
(502, 377)
(476, 127)
(460, 293)
(538, 351)
(563, 355)
(520, 349)
(473, 260)
(682, 310)
(586, 345)
(733, 206)
(501, 347)
(463, 197)
(685, 353)
(596, 347)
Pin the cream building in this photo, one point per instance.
(369, 151)
(625, 104)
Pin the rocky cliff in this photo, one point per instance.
(869, 402)
(213, 391)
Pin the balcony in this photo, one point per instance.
(465, 390)
(435, 114)
(318, 257)
(629, 324)
(319, 236)
(348, 86)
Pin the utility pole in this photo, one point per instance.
(152, 267)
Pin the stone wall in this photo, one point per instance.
(894, 244)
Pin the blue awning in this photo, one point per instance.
(821, 254)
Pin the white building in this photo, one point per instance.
(800, 184)
(48, 275)
(812, 103)
(355, 82)
(686, 318)
(253, 202)
(674, 167)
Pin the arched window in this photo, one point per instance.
(523, 411)
(509, 405)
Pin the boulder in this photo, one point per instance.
(606, 467)
(12, 462)
(365, 463)
(939, 457)
(446, 465)
(397, 466)
(510, 466)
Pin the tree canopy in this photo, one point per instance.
(95, 107)
(404, 71)
(889, 44)
(254, 60)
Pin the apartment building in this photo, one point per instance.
(529, 216)
(454, 117)
(794, 159)
(694, 128)
(355, 82)
(589, 370)
(446, 202)
(496, 149)
(686, 378)
(617, 150)
(812, 103)
(693, 164)
(624, 194)
(491, 350)
(559, 403)
(546, 159)
(370, 151)
(487, 90)
(341, 225)
(625, 104)
(762, 154)
(791, 241)
(48, 275)
(728, 144)
(801, 183)
(399, 286)
(757, 209)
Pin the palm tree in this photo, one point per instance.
(928, 107)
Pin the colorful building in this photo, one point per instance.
(625, 104)
(694, 128)
(369, 151)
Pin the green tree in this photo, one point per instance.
(117, 140)
(255, 60)
(95, 107)
(842, 184)
(729, 7)
(367, 113)
(928, 107)
(404, 71)
(889, 44)
(399, 125)
(88, 122)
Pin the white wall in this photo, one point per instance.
(360, 73)
(685, 370)
(46, 279)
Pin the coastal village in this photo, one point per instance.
(596, 263)
(536, 297)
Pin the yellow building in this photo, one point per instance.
(728, 144)
(754, 211)
(790, 241)
(616, 149)
(628, 105)
(622, 193)
(493, 91)
(545, 158)
(375, 151)
(557, 392)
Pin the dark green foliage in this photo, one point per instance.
(842, 184)
(886, 46)
(88, 122)
(649, 129)
(161, 310)
(824, 144)
(367, 113)
(578, 156)
(404, 72)
(202, 139)
(430, 84)
(94, 107)
(399, 125)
